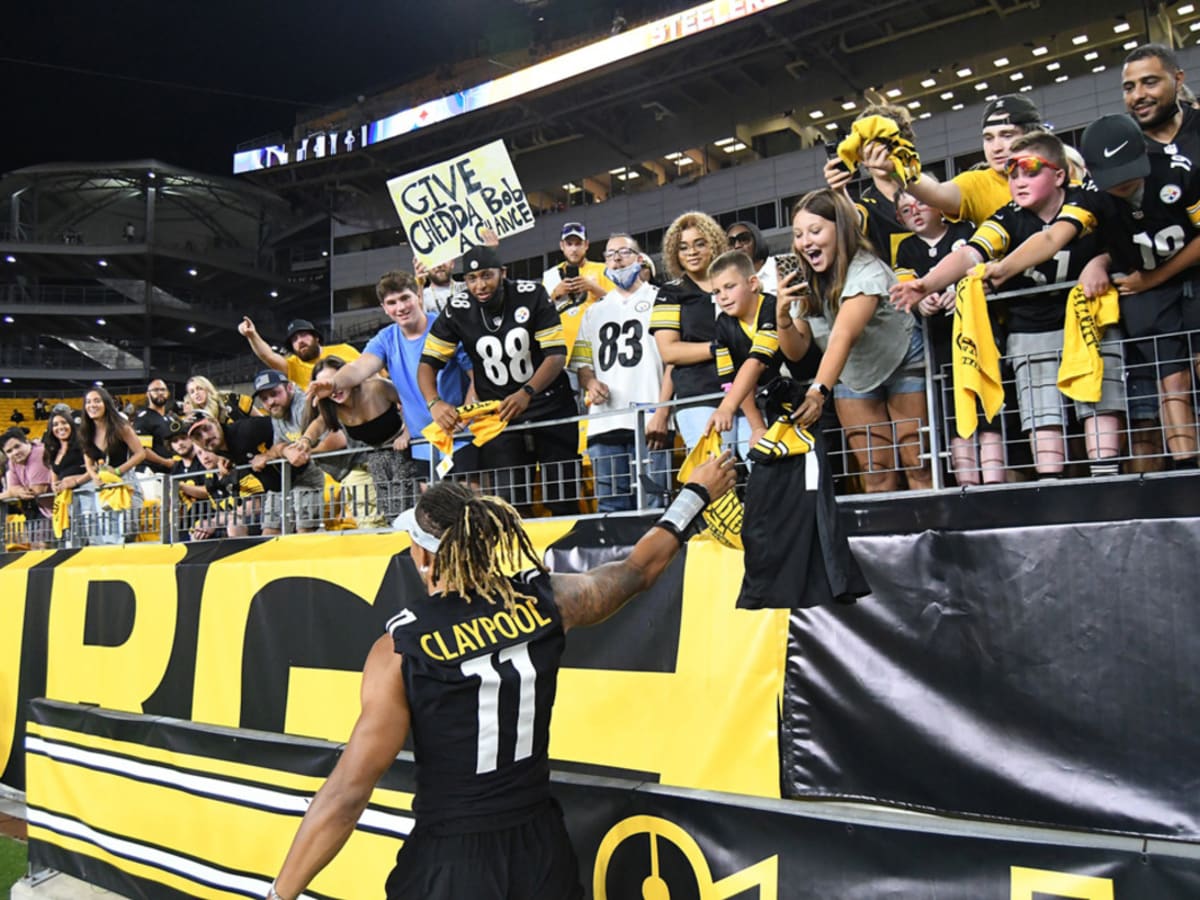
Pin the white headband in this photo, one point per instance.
(407, 521)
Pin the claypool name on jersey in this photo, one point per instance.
(465, 638)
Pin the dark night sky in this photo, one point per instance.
(308, 52)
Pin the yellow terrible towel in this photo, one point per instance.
(724, 515)
(1081, 372)
(905, 161)
(976, 361)
(485, 424)
(61, 517)
(115, 494)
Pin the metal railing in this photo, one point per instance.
(886, 457)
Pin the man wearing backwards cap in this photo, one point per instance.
(575, 283)
(1147, 208)
(304, 341)
(487, 826)
(514, 337)
(972, 196)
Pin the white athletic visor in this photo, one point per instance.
(407, 521)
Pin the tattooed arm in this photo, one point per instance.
(594, 596)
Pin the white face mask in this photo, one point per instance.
(625, 277)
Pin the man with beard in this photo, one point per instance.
(1151, 81)
(304, 340)
(514, 338)
(439, 283)
(260, 441)
(154, 428)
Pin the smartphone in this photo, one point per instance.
(570, 271)
(831, 153)
(785, 265)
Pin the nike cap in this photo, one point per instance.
(1011, 109)
(1114, 149)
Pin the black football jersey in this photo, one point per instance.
(1008, 228)
(736, 342)
(506, 345)
(915, 258)
(1141, 235)
(684, 306)
(880, 223)
(1186, 142)
(481, 681)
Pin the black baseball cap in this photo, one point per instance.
(1114, 149)
(296, 326)
(267, 379)
(1011, 109)
(480, 258)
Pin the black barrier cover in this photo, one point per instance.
(1041, 674)
(692, 845)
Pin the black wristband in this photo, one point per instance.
(529, 389)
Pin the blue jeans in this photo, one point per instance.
(611, 468)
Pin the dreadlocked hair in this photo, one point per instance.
(483, 541)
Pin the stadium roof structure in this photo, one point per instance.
(761, 73)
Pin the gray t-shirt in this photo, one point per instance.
(884, 342)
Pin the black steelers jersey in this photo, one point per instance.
(736, 342)
(506, 343)
(481, 681)
(1186, 142)
(915, 258)
(1142, 235)
(1008, 228)
(879, 222)
(684, 306)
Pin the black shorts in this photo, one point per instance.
(1166, 310)
(529, 859)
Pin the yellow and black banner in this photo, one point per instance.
(680, 687)
(158, 809)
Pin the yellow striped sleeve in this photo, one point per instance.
(1085, 221)
(437, 349)
(766, 343)
(724, 361)
(1194, 214)
(665, 317)
(551, 338)
(991, 239)
(581, 354)
(862, 217)
(906, 274)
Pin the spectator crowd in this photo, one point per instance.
(1050, 292)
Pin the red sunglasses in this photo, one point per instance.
(1028, 165)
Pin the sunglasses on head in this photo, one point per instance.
(1028, 165)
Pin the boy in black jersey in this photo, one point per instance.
(979, 458)
(1038, 179)
(471, 665)
(746, 346)
(1147, 212)
(514, 337)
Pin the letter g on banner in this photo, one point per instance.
(763, 875)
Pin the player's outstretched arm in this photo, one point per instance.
(594, 596)
(378, 736)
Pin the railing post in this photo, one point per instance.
(640, 458)
(932, 410)
(285, 490)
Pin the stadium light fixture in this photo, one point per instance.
(620, 169)
(1129, 45)
(193, 272)
(925, 115)
(947, 95)
(894, 93)
(8, 320)
(928, 83)
(1061, 78)
(958, 106)
(849, 105)
(274, 294)
(832, 126)
(6, 380)
(102, 321)
(1002, 61)
(685, 161)
(1040, 51)
(914, 104)
(10, 258)
(982, 86)
(1121, 27)
(1026, 87)
(191, 329)
(723, 141)
(1016, 76)
(1098, 69)
(102, 263)
(1079, 39)
(1053, 67)
(816, 114)
(1186, 10)
(990, 97)
(964, 72)
(734, 148)
(1091, 55)
(1195, 26)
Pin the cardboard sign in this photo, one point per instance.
(446, 207)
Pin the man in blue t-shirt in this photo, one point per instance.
(398, 348)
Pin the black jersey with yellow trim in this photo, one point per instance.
(1008, 228)
(687, 308)
(880, 223)
(1146, 231)
(480, 680)
(506, 344)
(916, 257)
(737, 342)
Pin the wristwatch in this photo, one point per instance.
(528, 388)
(820, 388)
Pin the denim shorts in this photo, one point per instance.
(908, 377)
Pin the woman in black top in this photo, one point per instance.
(109, 444)
(64, 454)
(370, 414)
(684, 318)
